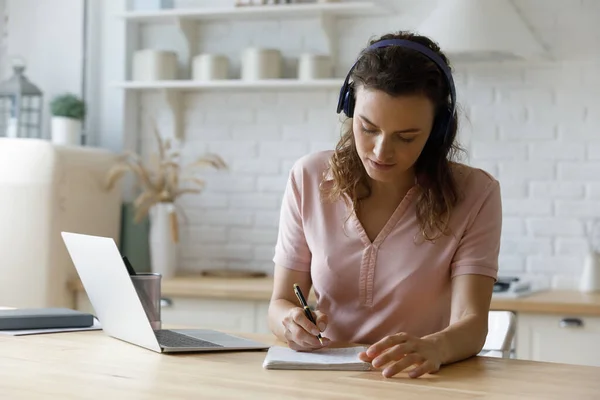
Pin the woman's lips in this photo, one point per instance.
(381, 166)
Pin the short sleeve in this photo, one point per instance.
(291, 250)
(479, 246)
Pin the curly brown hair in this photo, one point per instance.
(399, 71)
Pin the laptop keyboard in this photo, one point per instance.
(167, 338)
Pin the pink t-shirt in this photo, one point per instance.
(396, 283)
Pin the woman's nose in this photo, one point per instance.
(382, 148)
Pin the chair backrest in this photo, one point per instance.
(501, 331)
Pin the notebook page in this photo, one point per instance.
(328, 358)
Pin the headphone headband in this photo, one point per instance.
(414, 46)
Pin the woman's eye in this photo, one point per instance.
(406, 140)
(365, 130)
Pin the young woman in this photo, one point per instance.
(398, 240)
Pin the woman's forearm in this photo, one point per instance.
(278, 309)
(462, 339)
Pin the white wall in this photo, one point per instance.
(534, 125)
(48, 36)
(3, 37)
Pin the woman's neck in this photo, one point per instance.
(392, 191)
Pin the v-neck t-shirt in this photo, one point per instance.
(399, 282)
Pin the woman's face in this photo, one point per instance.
(390, 132)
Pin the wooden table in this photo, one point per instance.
(91, 365)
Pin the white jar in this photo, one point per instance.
(207, 67)
(258, 63)
(314, 66)
(154, 65)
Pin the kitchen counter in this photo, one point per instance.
(259, 289)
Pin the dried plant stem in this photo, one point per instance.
(174, 226)
(160, 181)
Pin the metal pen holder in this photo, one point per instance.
(148, 288)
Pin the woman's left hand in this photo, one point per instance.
(400, 351)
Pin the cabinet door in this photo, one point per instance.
(232, 315)
(261, 322)
(568, 339)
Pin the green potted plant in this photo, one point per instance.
(68, 112)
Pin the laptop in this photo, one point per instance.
(118, 308)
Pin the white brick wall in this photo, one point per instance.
(534, 125)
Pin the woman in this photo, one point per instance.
(399, 242)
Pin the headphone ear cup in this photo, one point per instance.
(341, 97)
(349, 101)
(441, 125)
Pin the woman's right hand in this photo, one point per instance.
(300, 333)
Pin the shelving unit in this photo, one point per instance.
(231, 84)
(172, 90)
(257, 12)
(186, 22)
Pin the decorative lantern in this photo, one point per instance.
(21, 104)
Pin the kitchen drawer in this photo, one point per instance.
(233, 315)
(571, 339)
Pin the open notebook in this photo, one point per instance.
(329, 359)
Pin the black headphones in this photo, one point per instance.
(442, 121)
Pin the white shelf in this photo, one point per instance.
(256, 12)
(186, 21)
(171, 91)
(232, 84)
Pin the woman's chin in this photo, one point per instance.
(381, 176)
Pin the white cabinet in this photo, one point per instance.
(232, 315)
(246, 316)
(262, 311)
(572, 339)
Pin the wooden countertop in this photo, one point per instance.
(197, 286)
(92, 365)
(553, 302)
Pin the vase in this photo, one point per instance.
(163, 239)
(590, 277)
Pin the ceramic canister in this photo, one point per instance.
(154, 65)
(206, 67)
(259, 63)
(314, 66)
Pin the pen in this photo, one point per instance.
(309, 315)
(128, 266)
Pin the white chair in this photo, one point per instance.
(501, 332)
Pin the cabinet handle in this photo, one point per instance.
(571, 322)
(165, 302)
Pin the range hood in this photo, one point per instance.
(475, 30)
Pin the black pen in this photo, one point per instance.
(309, 315)
(128, 266)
